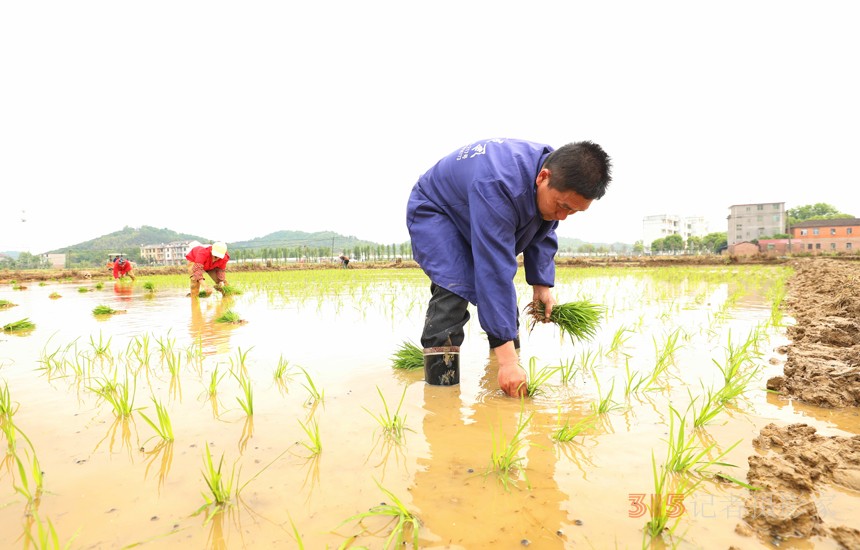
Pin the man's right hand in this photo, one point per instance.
(512, 377)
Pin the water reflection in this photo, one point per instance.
(119, 434)
(124, 292)
(213, 337)
(528, 509)
(162, 453)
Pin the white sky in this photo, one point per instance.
(232, 120)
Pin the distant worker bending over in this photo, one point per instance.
(344, 261)
(209, 259)
(469, 217)
(122, 267)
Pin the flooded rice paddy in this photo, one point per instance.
(292, 401)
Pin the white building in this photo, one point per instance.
(165, 253)
(661, 226)
(747, 222)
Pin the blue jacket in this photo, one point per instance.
(469, 217)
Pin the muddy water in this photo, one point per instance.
(110, 483)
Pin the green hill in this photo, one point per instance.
(128, 241)
(296, 239)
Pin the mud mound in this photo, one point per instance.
(793, 465)
(823, 364)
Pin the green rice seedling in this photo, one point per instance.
(230, 290)
(568, 432)
(604, 404)
(9, 431)
(220, 486)
(408, 357)
(635, 380)
(149, 286)
(174, 363)
(19, 325)
(567, 371)
(404, 520)
(54, 295)
(393, 426)
(83, 289)
(100, 285)
(46, 536)
(666, 503)
(49, 361)
(4, 304)
(164, 428)
(214, 378)
(119, 394)
(140, 349)
(506, 458)
(296, 534)
(103, 310)
(577, 320)
(229, 316)
(711, 406)
(684, 454)
(100, 348)
(664, 357)
(6, 409)
(32, 493)
(537, 378)
(316, 396)
(240, 364)
(247, 399)
(283, 371)
(312, 430)
(588, 359)
(619, 339)
(203, 293)
(736, 387)
(165, 344)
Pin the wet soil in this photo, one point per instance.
(796, 465)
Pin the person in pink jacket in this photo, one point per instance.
(209, 259)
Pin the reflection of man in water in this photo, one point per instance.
(123, 291)
(461, 507)
(213, 336)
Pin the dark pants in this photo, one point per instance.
(447, 314)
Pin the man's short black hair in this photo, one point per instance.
(583, 167)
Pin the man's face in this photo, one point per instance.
(555, 205)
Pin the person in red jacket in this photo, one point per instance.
(210, 259)
(122, 267)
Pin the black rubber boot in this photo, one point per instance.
(442, 365)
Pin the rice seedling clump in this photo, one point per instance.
(408, 357)
(103, 310)
(578, 320)
(231, 317)
(229, 290)
(22, 324)
(6, 304)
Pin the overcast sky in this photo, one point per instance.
(232, 120)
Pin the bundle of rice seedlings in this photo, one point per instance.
(229, 290)
(6, 303)
(103, 310)
(23, 324)
(231, 317)
(577, 320)
(408, 357)
(54, 295)
(149, 286)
